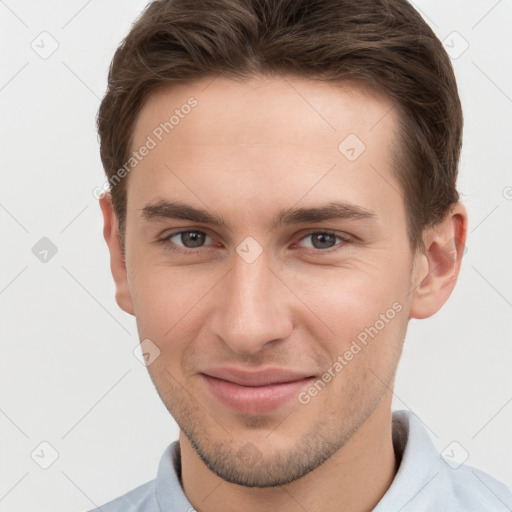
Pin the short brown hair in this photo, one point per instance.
(385, 44)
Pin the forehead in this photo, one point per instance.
(270, 141)
(261, 108)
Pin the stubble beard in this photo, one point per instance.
(242, 462)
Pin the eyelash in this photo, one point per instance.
(172, 247)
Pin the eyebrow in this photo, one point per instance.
(164, 209)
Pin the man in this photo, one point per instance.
(282, 200)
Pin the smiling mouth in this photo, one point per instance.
(255, 392)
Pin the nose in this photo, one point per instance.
(251, 309)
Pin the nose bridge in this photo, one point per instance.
(252, 309)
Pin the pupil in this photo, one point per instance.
(192, 238)
(325, 240)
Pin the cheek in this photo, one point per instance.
(167, 300)
(347, 302)
(363, 351)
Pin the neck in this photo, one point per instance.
(354, 479)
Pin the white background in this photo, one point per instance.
(68, 373)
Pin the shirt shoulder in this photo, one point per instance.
(163, 494)
(426, 482)
(476, 490)
(140, 499)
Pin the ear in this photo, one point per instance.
(436, 270)
(117, 261)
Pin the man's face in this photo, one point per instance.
(251, 314)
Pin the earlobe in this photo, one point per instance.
(117, 260)
(438, 267)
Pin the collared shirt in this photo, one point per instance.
(425, 481)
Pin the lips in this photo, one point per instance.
(255, 392)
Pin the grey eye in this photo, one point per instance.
(321, 240)
(189, 239)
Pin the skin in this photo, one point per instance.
(245, 152)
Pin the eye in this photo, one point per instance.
(188, 239)
(322, 240)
